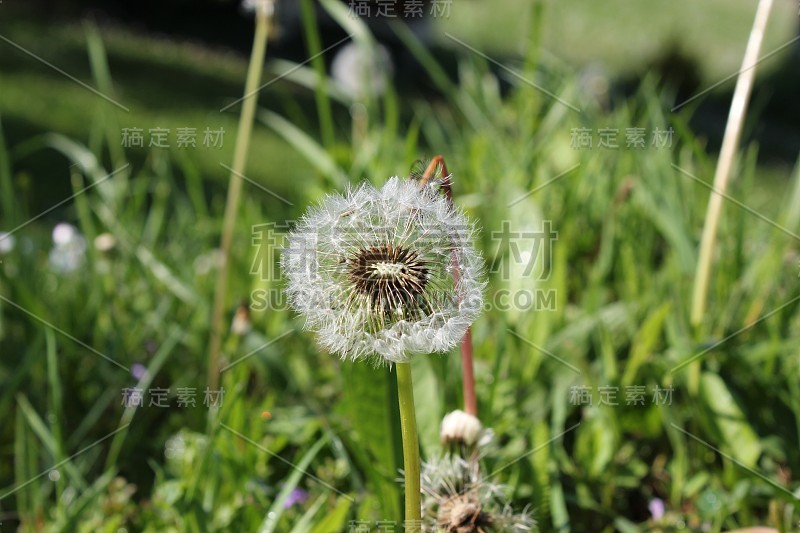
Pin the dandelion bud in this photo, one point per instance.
(105, 242)
(241, 321)
(459, 426)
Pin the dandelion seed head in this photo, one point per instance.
(384, 273)
(457, 498)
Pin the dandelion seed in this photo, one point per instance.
(385, 273)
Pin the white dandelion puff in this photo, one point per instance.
(385, 273)
(7, 242)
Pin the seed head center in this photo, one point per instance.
(391, 276)
(385, 269)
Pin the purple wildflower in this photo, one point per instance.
(656, 507)
(296, 497)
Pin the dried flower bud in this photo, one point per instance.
(241, 324)
(459, 426)
(105, 242)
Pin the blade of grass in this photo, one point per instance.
(314, 47)
(56, 403)
(46, 437)
(730, 142)
(6, 185)
(275, 512)
(159, 358)
(101, 73)
(256, 65)
(304, 144)
(304, 524)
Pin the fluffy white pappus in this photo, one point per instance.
(385, 273)
(456, 496)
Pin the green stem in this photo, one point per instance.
(254, 71)
(314, 46)
(408, 427)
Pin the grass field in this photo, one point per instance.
(305, 443)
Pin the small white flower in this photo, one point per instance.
(64, 234)
(7, 242)
(459, 426)
(69, 248)
(373, 272)
(267, 7)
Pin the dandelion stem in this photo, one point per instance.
(467, 365)
(468, 375)
(408, 428)
(254, 70)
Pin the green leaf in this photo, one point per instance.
(370, 404)
(305, 144)
(334, 521)
(738, 437)
(645, 342)
(428, 403)
(304, 524)
(274, 514)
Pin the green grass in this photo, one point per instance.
(628, 226)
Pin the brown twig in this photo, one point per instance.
(467, 370)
